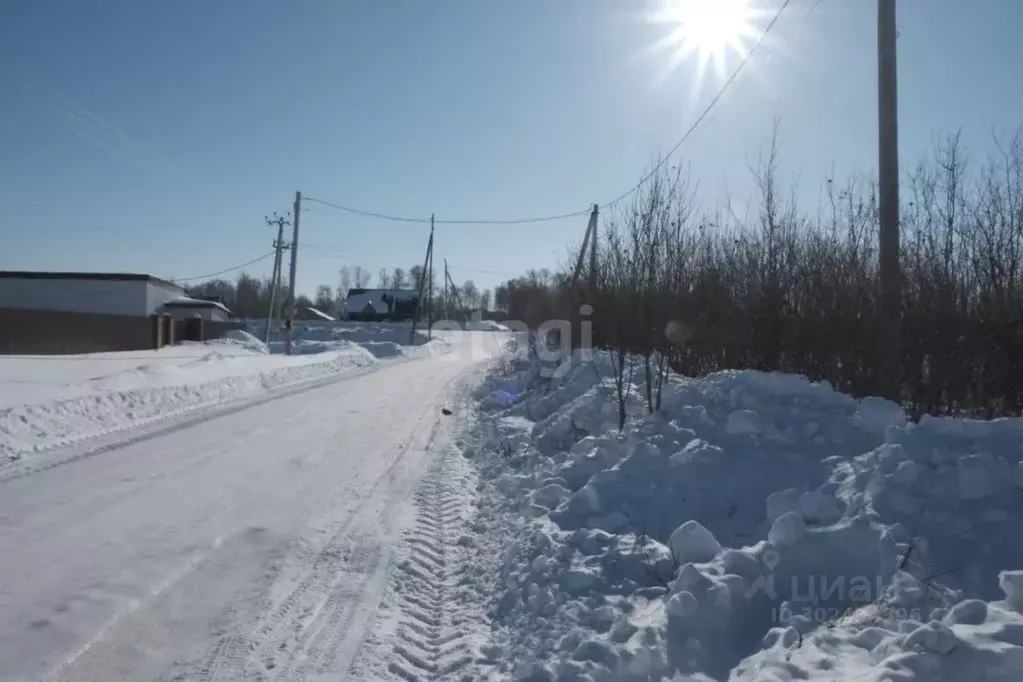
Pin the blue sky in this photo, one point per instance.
(149, 136)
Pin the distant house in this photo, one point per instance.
(375, 305)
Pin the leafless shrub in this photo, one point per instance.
(778, 291)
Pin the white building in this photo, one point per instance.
(103, 293)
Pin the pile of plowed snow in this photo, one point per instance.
(757, 527)
(381, 340)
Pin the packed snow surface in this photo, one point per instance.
(251, 545)
(755, 527)
(52, 401)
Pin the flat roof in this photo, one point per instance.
(98, 276)
(195, 303)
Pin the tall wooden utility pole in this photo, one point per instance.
(427, 263)
(447, 306)
(593, 252)
(589, 240)
(890, 367)
(429, 283)
(289, 327)
(275, 281)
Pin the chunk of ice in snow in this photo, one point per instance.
(743, 422)
(875, 414)
(815, 505)
(905, 473)
(782, 502)
(967, 612)
(1011, 583)
(787, 530)
(682, 605)
(550, 496)
(933, 637)
(975, 478)
(692, 543)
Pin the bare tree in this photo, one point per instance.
(324, 299)
(384, 279)
(398, 280)
(469, 294)
(360, 277)
(344, 282)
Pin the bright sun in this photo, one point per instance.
(711, 29)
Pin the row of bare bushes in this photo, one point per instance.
(781, 291)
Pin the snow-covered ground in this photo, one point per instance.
(51, 401)
(250, 546)
(759, 527)
(383, 340)
(421, 522)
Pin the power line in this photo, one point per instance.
(707, 110)
(456, 268)
(481, 221)
(539, 219)
(226, 270)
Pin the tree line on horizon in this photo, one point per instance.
(249, 297)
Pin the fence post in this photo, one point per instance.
(156, 331)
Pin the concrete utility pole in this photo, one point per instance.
(290, 325)
(275, 281)
(890, 367)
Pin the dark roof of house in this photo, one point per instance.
(100, 276)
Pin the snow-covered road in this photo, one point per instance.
(250, 546)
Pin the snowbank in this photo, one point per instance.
(758, 527)
(485, 326)
(50, 401)
(382, 340)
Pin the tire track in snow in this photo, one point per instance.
(288, 616)
(317, 614)
(431, 643)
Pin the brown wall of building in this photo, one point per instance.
(56, 332)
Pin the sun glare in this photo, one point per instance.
(709, 29)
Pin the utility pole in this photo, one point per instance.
(590, 239)
(429, 283)
(447, 305)
(593, 253)
(427, 265)
(890, 367)
(275, 281)
(289, 327)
